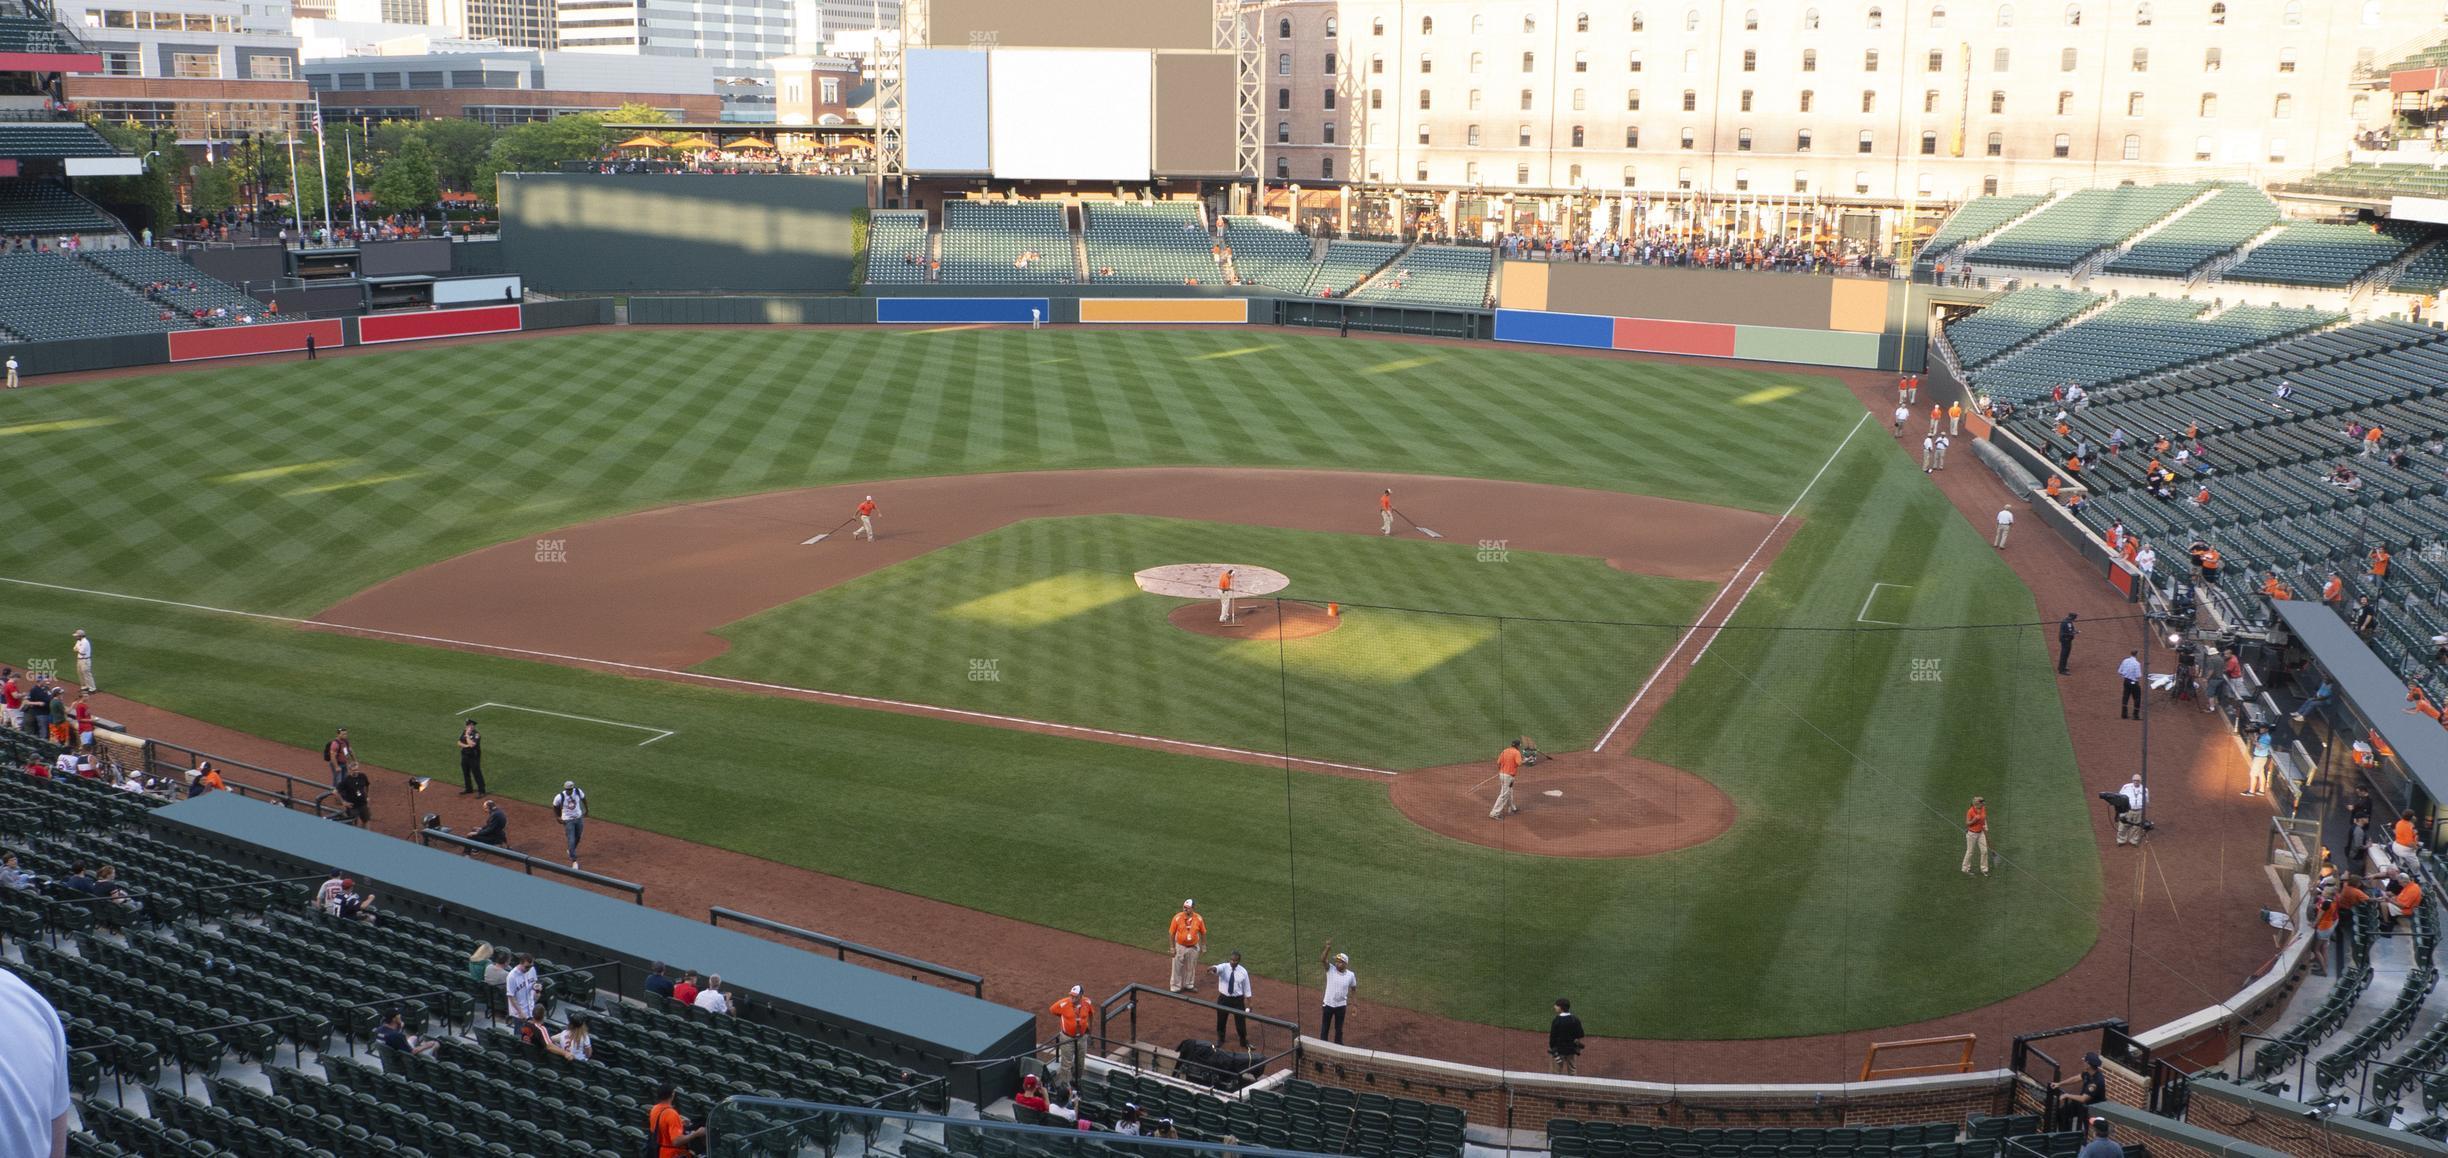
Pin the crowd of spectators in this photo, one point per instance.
(1704, 251)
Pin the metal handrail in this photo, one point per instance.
(154, 763)
(841, 948)
(426, 836)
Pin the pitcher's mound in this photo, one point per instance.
(1255, 619)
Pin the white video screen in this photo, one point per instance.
(1071, 114)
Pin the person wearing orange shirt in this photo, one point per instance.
(2201, 498)
(1508, 766)
(2402, 837)
(1954, 418)
(2271, 587)
(866, 517)
(2371, 441)
(2133, 548)
(2073, 466)
(1907, 390)
(1071, 1014)
(1224, 595)
(1385, 512)
(1188, 933)
(1976, 835)
(2192, 431)
(2379, 563)
(2334, 591)
(1937, 415)
(2055, 485)
(667, 1131)
(2418, 702)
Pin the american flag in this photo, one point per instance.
(318, 122)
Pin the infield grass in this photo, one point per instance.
(1833, 904)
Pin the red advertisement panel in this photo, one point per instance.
(263, 338)
(374, 329)
(50, 62)
(1705, 338)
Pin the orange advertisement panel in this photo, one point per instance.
(1166, 311)
(1857, 307)
(1522, 285)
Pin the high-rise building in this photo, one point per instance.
(1875, 100)
(206, 70)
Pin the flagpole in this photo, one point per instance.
(323, 166)
(297, 208)
(350, 148)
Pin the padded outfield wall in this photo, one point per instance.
(1852, 323)
(682, 232)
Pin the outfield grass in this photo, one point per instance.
(1047, 606)
(1833, 903)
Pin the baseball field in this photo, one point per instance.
(597, 542)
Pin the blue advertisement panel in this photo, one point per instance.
(1548, 329)
(953, 311)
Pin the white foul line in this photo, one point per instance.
(1871, 598)
(659, 733)
(722, 681)
(1695, 629)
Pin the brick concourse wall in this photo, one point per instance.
(1527, 1101)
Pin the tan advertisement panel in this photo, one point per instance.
(1184, 24)
(1194, 113)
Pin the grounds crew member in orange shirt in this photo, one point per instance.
(1071, 1013)
(1937, 415)
(1224, 591)
(1976, 835)
(1508, 766)
(866, 514)
(1385, 512)
(1189, 935)
(1954, 418)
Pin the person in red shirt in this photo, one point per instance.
(82, 716)
(1976, 835)
(667, 1130)
(12, 699)
(866, 518)
(1031, 1097)
(686, 991)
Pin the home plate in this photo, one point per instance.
(1553, 792)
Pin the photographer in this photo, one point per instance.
(2129, 803)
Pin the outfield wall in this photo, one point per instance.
(679, 232)
(1805, 319)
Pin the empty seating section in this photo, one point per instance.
(1297, 1115)
(2365, 179)
(1573, 1138)
(2137, 336)
(2268, 463)
(47, 296)
(40, 207)
(2315, 254)
(2085, 222)
(1346, 262)
(2230, 217)
(2014, 318)
(897, 246)
(1435, 275)
(2426, 274)
(172, 282)
(1269, 253)
(23, 139)
(30, 34)
(236, 1019)
(1019, 242)
(1976, 217)
(1149, 241)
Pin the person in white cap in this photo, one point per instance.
(1224, 588)
(2005, 523)
(866, 517)
(84, 658)
(1340, 981)
(1188, 933)
(570, 805)
(1072, 1014)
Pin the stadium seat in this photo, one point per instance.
(1007, 242)
(1434, 275)
(1162, 242)
(1268, 252)
(2081, 224)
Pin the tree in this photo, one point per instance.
(215, 188)
(406, 182)
(148, 200)
(459, 147)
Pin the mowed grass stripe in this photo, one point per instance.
(516, 439)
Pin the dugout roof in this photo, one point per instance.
(2376, 691)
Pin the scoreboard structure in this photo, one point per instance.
(1069, 90)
